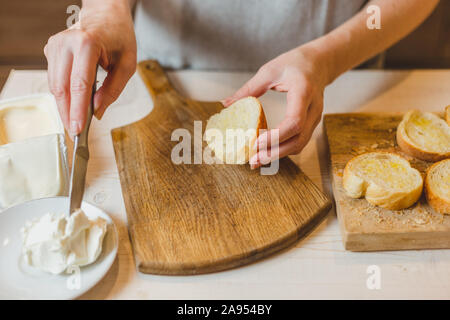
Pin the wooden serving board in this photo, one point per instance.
(365, 227)
(198, 218)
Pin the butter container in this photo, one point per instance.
(33, 152)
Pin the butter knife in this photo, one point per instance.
(81, 158)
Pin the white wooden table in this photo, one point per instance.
(318, 266)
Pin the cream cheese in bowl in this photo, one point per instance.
(55, 242)
(33, 153)
(40, 240)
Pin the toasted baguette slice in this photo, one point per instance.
(385, 179)
(232, 133)
(437, 186)
(447, 115)
(424, 136)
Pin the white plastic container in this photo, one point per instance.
(33, 152)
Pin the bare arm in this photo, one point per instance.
(352, 43)
(305, 71)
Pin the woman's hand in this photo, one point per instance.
(303, 75)
(104, 35)
(305, 71)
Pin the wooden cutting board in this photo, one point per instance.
(198, 218)
(365, 227)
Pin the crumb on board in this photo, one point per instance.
(420, 216)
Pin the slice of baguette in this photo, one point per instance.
(232, 133)
(385, 179)
(437, 186)
(424, 136)
(447, 115)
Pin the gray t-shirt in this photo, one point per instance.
(232, 34)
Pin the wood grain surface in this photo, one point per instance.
(198, 218)
(365, 227)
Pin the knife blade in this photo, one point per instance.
(81, 158)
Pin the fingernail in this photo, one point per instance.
(99, 114)
(74, 128)
(255, 145)
(99, 109)
(253, 161)
(225, 102)
(259, 143)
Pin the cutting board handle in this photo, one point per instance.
(155, 79)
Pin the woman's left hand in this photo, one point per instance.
(301, 73)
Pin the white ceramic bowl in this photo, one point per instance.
(20, 281)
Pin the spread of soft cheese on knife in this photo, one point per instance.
(55, 242)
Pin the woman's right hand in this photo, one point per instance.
(104, 35)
